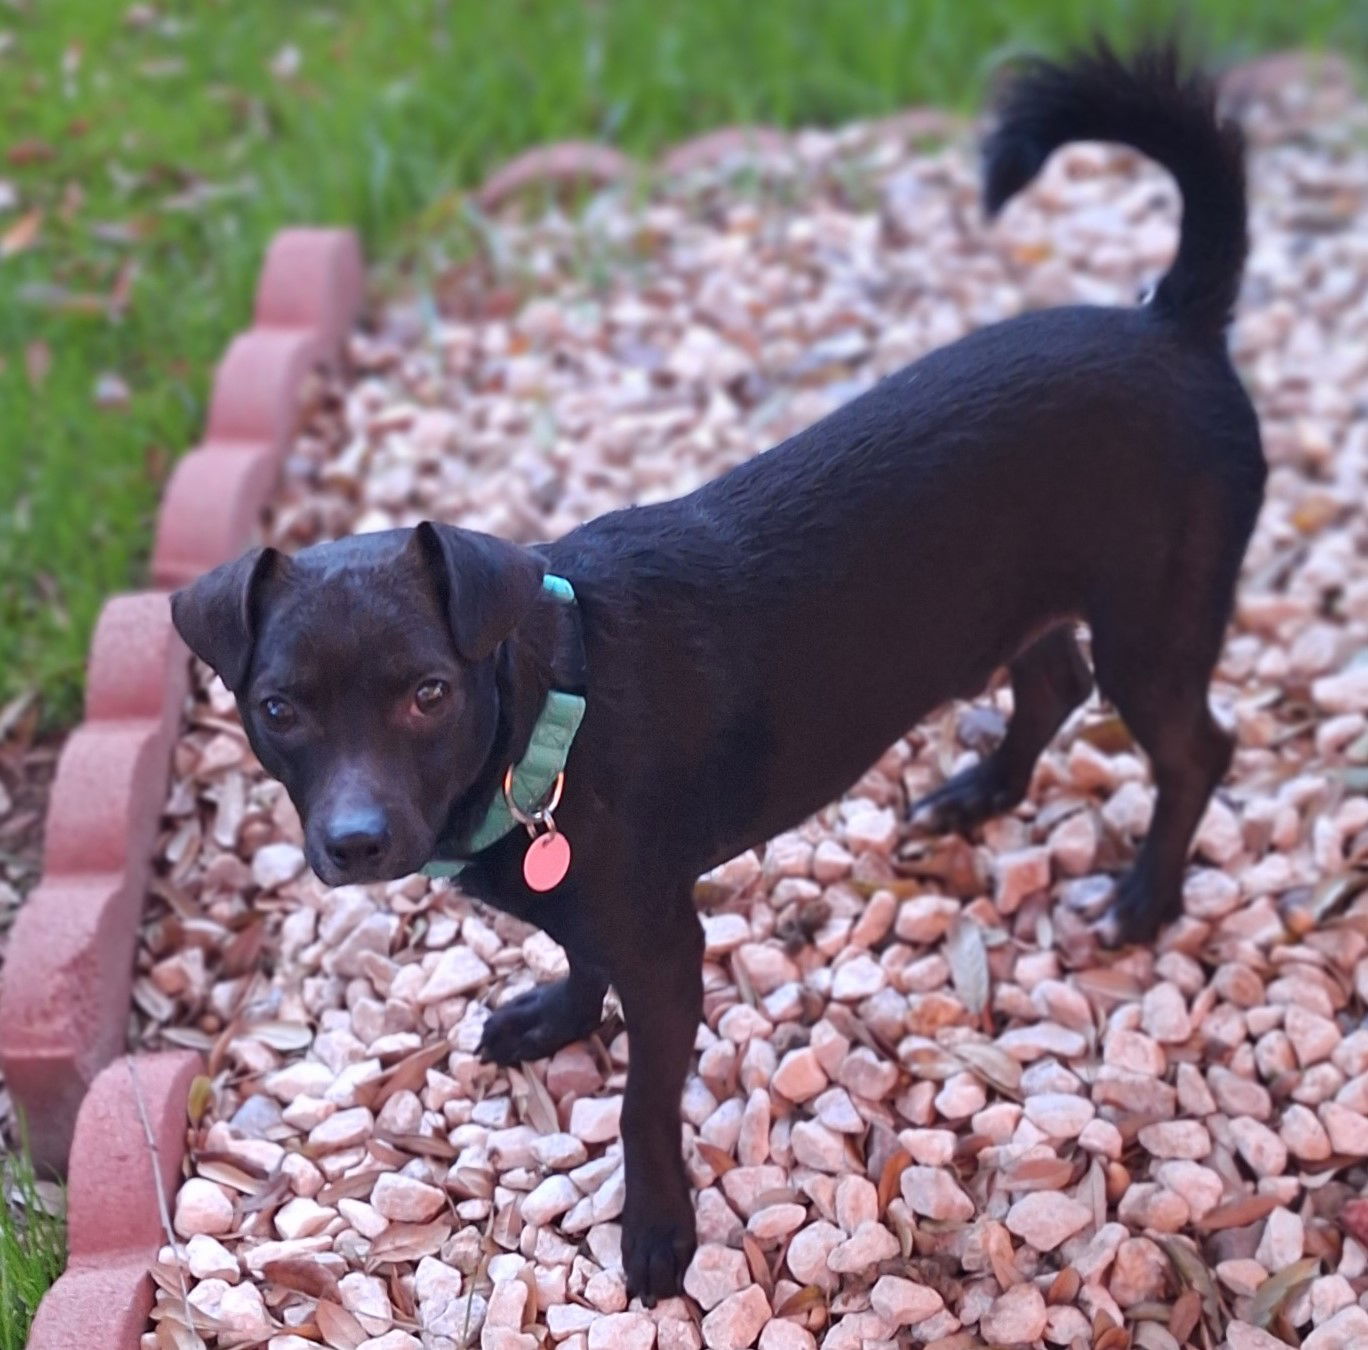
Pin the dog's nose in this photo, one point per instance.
(357, 838)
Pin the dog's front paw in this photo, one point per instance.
(969, 798)
(1136, 913)
(537, 1024)
(656, 1251)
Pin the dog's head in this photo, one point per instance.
(364, 671)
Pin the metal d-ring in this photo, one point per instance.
(541, 816)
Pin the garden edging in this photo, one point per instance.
(67, 988)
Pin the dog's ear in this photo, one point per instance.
(487, 584)
(217, 613)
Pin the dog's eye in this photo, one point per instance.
(430, 695)
(278, 713)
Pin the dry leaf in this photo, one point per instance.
(234, 1172)
(541, 1110)
(1110, 735)
(890, 1179)
(338, 1327)
(410, 1073)
(426, 1145)
(719, 1160)
(21, 234)
(1001, 1257)
(409, 1241)
(303, 1276)
(1248, 1209)
(1186, 1313)
(1038, 1174)
(1108, 982)
(968, 958)
(1353, 1218)
(1192, 1272)
(200, 1099)
(755, 1259)
(349, 1188)
(993, 1065)
(282, 1036)
(809, 1296)
(1275, 1291)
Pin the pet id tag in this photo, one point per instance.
(546, 861)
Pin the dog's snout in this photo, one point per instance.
(357, 838)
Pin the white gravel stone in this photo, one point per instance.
(1046, 1218)
(203, 1207)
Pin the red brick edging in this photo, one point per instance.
(121, 1168)
(68, 977)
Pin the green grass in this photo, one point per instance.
(163, 154)
(32, 1249)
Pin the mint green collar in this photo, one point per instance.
(536, 773)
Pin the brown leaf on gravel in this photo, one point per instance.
(995, 1066)
(1193, 1272)
(1186, 1313)
(242, 954)
(1248, 1209)
(968, 958)
(1275, 1291)
(1064, 1287)
(426, 1145)
(809, 1296)
(401, 1296)
(1109, 982)
(891, 1177)
(349, 1188)
(303, 1276)
(230, 1170)
(1107, 734)
(1353, 1218)
(273, 1196)
(338, 1327)
(1001, 1257)
(540, 1109)
(718, 1159)
(1038, 1174)
(759, 1267)
(410, 1073)
(409, 1241)
(200, 1098)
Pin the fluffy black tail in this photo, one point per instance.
(1152, 105)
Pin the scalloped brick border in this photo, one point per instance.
(119, 1168)
(67, 983)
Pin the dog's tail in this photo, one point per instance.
(1151, 104)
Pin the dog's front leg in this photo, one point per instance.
(657, 971)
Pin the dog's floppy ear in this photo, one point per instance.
(216, 614)
(487, 584)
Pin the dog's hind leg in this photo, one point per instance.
(1154, 657)
(1189, 755)
(1049, 680)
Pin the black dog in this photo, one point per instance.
(753, 647)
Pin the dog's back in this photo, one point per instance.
(1072, 463)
